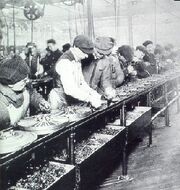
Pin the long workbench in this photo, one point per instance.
(149, 92)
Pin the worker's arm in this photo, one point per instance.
(65, 70)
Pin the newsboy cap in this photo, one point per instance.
(104, 45)
(147, 42)
(84, 44)
(13, 70)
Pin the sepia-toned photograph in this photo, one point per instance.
(89, 94)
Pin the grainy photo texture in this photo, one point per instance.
(89, 94)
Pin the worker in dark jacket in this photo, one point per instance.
(14, 96)
(149, 57)
(98, 72)
(125, 54)
(32, 59)
(139, 64)
(50, 59)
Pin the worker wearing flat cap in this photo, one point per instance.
(14, 97)
(98, 72)
(149, 58)
(71, 84)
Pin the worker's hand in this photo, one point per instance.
(134, 73)
(44, 106)
(110, 93)
(95, 102)
(136, 59)
(115, 99)
(131, 70)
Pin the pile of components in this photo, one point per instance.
(43, 124)
(42, 177)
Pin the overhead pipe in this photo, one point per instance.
(14, 26)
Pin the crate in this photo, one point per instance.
(137, 121)
(101, 161)
(65, 181)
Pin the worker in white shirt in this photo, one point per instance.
(71, 83)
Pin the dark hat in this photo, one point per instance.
(13, 70)
(84, 44)
(126, 51)
(51, 41)
(147, 42)
(66, 47)
(141, 48)
(31, 44)
(104, 45)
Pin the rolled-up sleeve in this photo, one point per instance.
(65, 70)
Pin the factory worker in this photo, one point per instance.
(14, 97)
(97, 72)
(149, 57)
(159, 56)
(125, 54)
(169, 56)
(139, 64)
(72, 88)
(49, 60)
(32, 59)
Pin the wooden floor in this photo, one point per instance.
(157, 167)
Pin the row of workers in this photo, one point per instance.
(86, 73)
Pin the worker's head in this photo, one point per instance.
(149, 46)
(31, 49)
(14, 73)
(140, 52)
(51, 44)
(168, 48)
(104, 45)
(159, 52)
(85, 45)
(169, 52)
(126, 52)
(66, 47)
